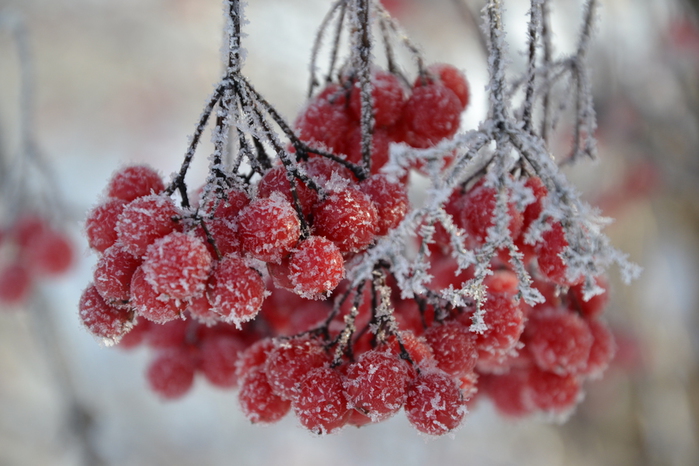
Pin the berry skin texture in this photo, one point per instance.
(275, 180)
(451, 78)
(144, 220)
(551, 264)
(171, 373)
(101, 319)
(218, 357)
(433, 112)
(269, 228)
(552, 392)
(387, 96)
(150, 304)
(376, 384)
(288, 363)
(321, 405)
(178, 265)
(236, 291)
(101, 223)
(454, 347)
(326, 120)
(390, 199)
(316, 267)
(559, 341)
(434, 403)
(347, 218)
(505, 322)
(133, 182)
(113, 275)
(478, 213)
(257, 400)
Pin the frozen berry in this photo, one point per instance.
(133, 182)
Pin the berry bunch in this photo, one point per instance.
(30, 249)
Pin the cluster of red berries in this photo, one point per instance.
(30, 249)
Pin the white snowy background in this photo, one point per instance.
(124, 81)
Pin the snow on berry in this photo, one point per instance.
(276, 180)
(101, 319)
(257, 400)
(478, 213)
(387, 96)
(171, 373)
(101, 222)
(325, 121)
(552, 392)
(452, 79)
(289, 361)
(504, 321)
(144, 220)
(133, 182)
(321, 404)
(593, 307)
(348, 218)
(434, 404)
(390, 199)
(269, 228)
(454, 347)
(236, 291)
(316, 267)
(550, 249)
(150, 304)
(113, 275)
(433, 112)
(376, 384)
(177, 265)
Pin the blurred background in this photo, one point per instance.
(121, 82)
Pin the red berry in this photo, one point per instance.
(602, 350)
(433, 112)
(347, 218)
(504, 321)
(290, 361)
(218, 357)
(502, 281)
(254, 356)
(133, 182)
(454, 347)
(236, 291)
(150, 304)
(533, 211)
(478, 213)
(551, 264)
(51, 253)
(452, 78)
(101, 319)
(390, 199)
(434, 403)
(376, 384)
(27, 228)
(275, 180)
(387, 96)
(508, 392)
(552, 392)
(594, 307)
(380, 142)
(15, 284)
(136, 336)
(257, 400)
(325, 120)
(269, 228)
(168, 335)
(177, 265)
(171, 373)
(144, 220)
(559, 341)
(113, 275)
(200, 308)
(101, 222)
(321, 404)
(316, 268)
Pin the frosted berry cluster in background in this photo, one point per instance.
(300, 273)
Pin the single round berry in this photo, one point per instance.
(387, 96)
(550, 249)
(101, 319)
(602, 349)
(508, 392)
(321, 404)
(236, 291)
(275, 180)
(553, 392)
(316, 267)
(177, 265)
(254, 356)
(348, 218)
(593, 307)
(113, 275)
(269, 228)
(101, 222)
(454, 347)
(133, 182)
(171, 373)
(451, 78)
(144, 220)
(136, 336)
(559, 341)
(257, 400)
(218, 357)
(15, 284)
(533, 211)
(433, 112)
(376, 384)
(289, 361)
(380, 142)
(150, 304)
(434, 403)
(390, 199)
(504, 323)
(50, 254)
(325, 120)
(200, 309)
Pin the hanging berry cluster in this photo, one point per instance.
(300, 273)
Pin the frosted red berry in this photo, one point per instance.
(325, 120)
(151, 304)
(593, 307)
(236, 291)
(390, 199)
(347, 218)
(504, 321)
(321, 404)
(101, 222)
(553, 392)
(451, 78)
(602, 350)
(133, 182)
(144, 220)
(454, 347)
(316, 267)
(550, 249)
(433, 112)
(434, 404)
(101, 319)
(289, 361)
(478, 213)
(387, 96)
(275, 180)
(257, 400)
(113, 275)
(269, 228)
(380, 142)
